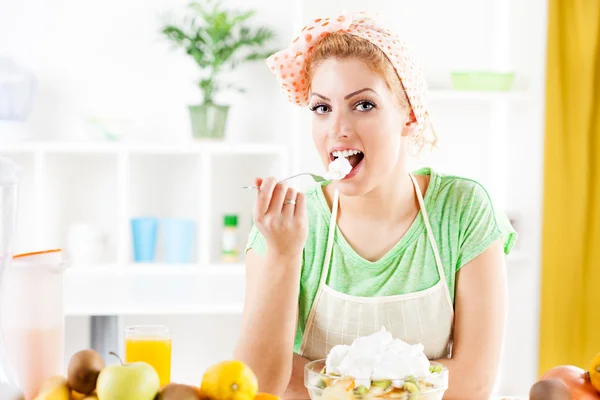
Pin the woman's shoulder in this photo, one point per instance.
(455, 190)
(465, 206)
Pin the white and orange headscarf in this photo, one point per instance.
(288, 64)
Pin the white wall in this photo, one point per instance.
(107, 59)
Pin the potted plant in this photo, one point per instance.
(218, 40)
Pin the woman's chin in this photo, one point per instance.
(354, 184)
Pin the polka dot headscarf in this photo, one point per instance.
(288, 64)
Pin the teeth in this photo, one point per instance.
(345, 153)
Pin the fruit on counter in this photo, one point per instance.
(576, 379)
(266, 396)
(178, 391)
(131, 381)
(80, 396)
(229, 380)
(77, 396)
(83, 370)
(55, 388)
(550, 389)
(594, 372)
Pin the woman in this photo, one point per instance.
(420, 253)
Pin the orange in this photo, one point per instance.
(594, 372)
(229, 380)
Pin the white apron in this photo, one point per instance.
(426, 316)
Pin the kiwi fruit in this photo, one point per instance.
(178, 391)
(84, 368)
(550, 389)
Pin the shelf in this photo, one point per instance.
(476, 95)
(91, 182)
(102, 186)
(154, 289)
(235, 172)
(154, 269)
(192, 147)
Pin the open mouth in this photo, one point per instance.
(354, 157)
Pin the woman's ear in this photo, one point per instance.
(410, 126)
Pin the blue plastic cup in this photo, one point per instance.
(144, 231)
(178, 239)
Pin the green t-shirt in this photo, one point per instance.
(464, 224)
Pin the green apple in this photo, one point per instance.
(131, 381)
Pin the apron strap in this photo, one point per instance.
(332, 226)
(324, 272)
(436, 253)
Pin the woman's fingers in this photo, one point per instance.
(264, 195)
(300, 208)
(277, 198)
(288, 209)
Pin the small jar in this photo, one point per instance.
(229, 243)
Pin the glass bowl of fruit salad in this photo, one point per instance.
(322, 385)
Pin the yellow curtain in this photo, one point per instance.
(570, 292)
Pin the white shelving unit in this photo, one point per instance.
(119, 181)
(155, 289)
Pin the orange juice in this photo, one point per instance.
(152, 347)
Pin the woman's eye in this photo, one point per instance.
(320, 109)
(365, 106)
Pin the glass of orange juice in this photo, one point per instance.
(151, 344)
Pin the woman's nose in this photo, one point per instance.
(340, 128)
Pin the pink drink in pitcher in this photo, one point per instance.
(35, 356)
(33, 320)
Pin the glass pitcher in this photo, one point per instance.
(9, 179)
(33, 319)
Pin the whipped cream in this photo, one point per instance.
(338, 168)
(378, 357)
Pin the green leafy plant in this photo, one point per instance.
(218, 39)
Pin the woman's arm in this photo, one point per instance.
(480, 308)
(272, 286)
(269, 319)
(296, 389)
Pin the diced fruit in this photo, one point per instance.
(382, 384)
(336, 393)
(396, 394)
(436, 369)
(361, 391)
(412, 380)
(321, 384)
(411, 387)
(345, 384)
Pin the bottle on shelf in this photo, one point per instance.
(229, 244)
